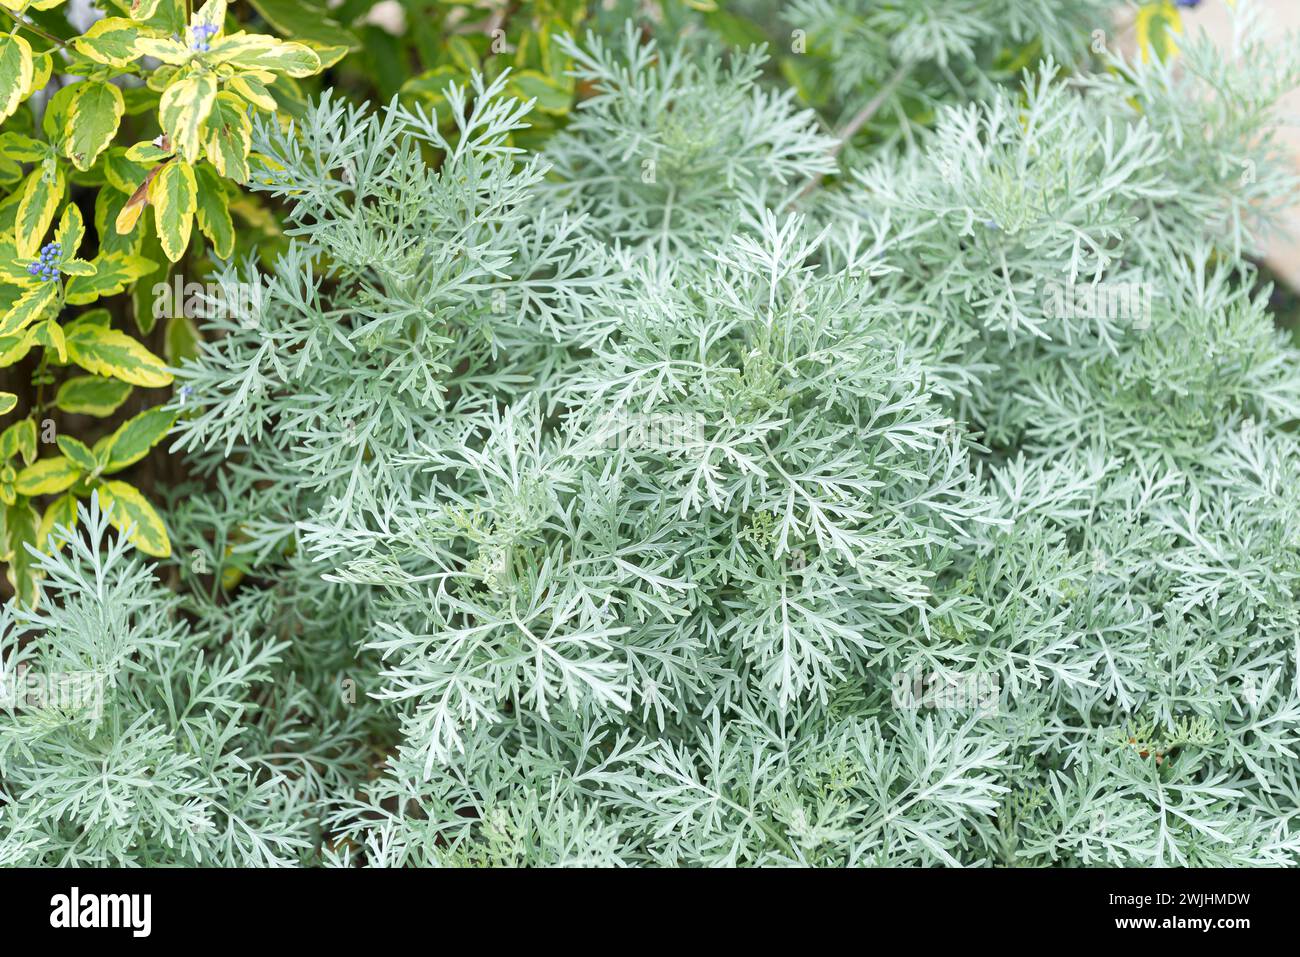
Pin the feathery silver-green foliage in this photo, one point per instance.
(611, 505)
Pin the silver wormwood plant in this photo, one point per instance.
(696, 491)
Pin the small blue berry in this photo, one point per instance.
(46, 267)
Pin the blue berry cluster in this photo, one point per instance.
(47, 267)
(202, 34)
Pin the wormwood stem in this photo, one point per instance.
(668, 218)
(860, 119)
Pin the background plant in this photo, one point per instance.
(155, 69)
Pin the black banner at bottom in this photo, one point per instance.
(363, 907)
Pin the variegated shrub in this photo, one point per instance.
(117, 143)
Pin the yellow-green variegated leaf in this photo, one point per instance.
(214, 212)
(111, 41)
(70, 230)
(24, 149)
(16, 72)
(147, 152)
(1156, 26)
(288, 93)
(21, 523)
(133, 439)
(41, 195)
(108, 205)
(255, 51)
(50, 335)
(293, 18)
(9, 441)
(142, 99)
(229, 137)
(463, 55)
(547, 94)
(20, 5)
(174, 197)
(77, 267)
(10, 172)
(123, 173)
(131, 514)
(113, 273)
(42, 67)
(47, 476)
(13, 272)
(30, 307)
(78, 452)
(252, 90)
(328, 54)
(13, 349)
(56, 113)
(93, 116)
(108, 352)
(165, 49)
(92, 317)
(308, 24)
(19, 439)
(60, 514)
(182, 110)
(7, 402)
(92, 395)
(143, 9)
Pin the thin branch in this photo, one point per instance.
(61, 44)
(860, 119)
